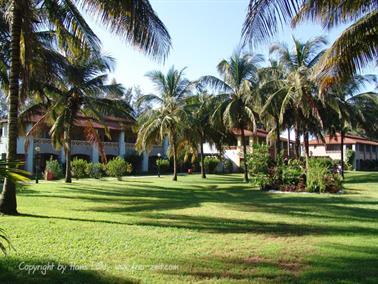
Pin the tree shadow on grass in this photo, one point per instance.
(254, 269)
(369, 177)
(14, 270)
(344, 264)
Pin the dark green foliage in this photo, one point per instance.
(136, 161)
(350, 155)
(79, 168)
(320, 177)
(292, 172)
(211, 162)
(259, 164)
(118, 167)
(164, 165)
(95, 170)
(228, 166)
(53, 166)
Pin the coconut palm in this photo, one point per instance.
(300, 88)
(237, 109)
(352, 50)
(347, 109)
(168, 119)
(80, 95)
(134, 21)
(273, 86)
(200, 129)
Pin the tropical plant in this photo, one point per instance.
(348, 109)
(273, 86)
(259, 163)
(79, 168)
(238, 99)
(118, 167)
(163, 165)
(133, 20)
(53, 166)
(228, 166)
(79, 95)
(199, 109)
(95, 170)
(299, 89)
(210, 163)
(169, 118)
(356, 47)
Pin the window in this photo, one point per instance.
(332, 147)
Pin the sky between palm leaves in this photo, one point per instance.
(203, 32)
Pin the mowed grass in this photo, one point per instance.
(218, 230)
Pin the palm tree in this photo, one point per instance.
(80, 95)
(200, 129)
(300, 88)
(273, 86)
(352, 50)
(169, 118)
(134, 21)
(346, 109)
(237, 88)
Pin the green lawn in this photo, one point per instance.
(150, 230)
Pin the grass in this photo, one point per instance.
(151, 230)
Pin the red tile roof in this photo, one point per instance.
(349, 139)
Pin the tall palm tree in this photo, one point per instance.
(238, 90)
(200, 129)
(300, 88)
(273, 86)
(134, 21)
(346, 109)
(352, 50)
(169, 118)
(80, 95)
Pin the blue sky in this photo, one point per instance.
(203, 32)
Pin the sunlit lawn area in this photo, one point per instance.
(151, 230)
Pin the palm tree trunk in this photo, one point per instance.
(342, 152)
(288, 142)
(203, 172)
(306, 148)
(297, 141)
(67, 140)
(8, 202)
(278, 140)
(174, 161)
(244, 154)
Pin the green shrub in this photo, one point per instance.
(211, 162)
(320, 177)
(292, 172)
(95, 170)
(164, 165)
(118, 167)
(350, 154)
(259, 166)
(54, 167)
(78, 168)
(228, 166)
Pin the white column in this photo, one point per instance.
(95, 154)
(30, 150)
(122, 144)
(145, 162)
